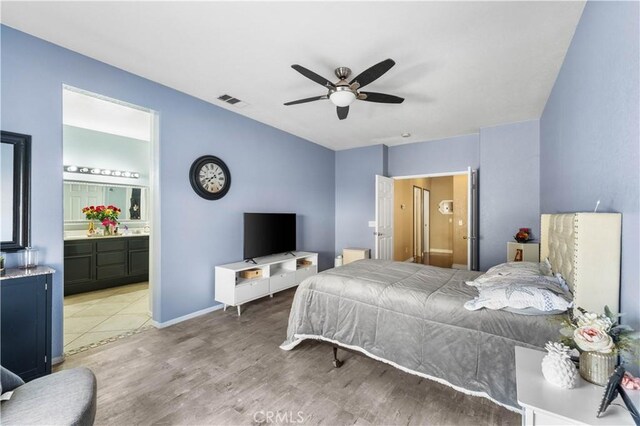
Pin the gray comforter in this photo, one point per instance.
(412, 316)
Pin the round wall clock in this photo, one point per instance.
(210, 177)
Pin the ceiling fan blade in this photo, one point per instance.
(342, 112)
(313, 76)
(373, 73)
(305, 100)
(382, 98)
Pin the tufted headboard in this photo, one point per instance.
(585, 249)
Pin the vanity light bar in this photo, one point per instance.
(104, 172)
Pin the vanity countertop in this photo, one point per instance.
(11, 273)
(96, 237)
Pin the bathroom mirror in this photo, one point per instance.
(132, 200)
(15, 158)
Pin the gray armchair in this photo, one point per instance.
(64, 398)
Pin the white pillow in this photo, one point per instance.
(531, 311)
(520, 292)
(532, 269)
(545, 267)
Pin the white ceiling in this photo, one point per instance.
(460, 65)
(94, 113)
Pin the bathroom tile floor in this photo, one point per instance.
(98, 315)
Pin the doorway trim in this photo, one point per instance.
(418, 217)
(154, 198)
(431, 175)
(470, 172)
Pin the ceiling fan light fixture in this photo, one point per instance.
(342, 98)
(343, 92)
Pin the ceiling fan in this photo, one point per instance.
(343, 93)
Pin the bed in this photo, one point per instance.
(412, 317)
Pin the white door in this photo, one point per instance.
(77, 196)
(473, 258)
(425, 226)
(384, 218)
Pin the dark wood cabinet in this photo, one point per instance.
(104, 262)
(25, 321)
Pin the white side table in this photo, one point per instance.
(546, 404)
(529, 252)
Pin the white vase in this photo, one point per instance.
(557, 367)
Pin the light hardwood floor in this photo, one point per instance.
(224, 369)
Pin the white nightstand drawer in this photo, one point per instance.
(303, 273)
(282, 281)
(252, 290)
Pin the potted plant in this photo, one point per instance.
(107, 215)
(600, 340)
(523, 235)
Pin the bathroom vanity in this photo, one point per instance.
(94, 263)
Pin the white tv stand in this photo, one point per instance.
(278, 272)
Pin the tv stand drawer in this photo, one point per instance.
(252, 290)
(282, 281)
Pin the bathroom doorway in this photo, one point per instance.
(109, 151)
(432, 220)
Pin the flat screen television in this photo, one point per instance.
(269, 233)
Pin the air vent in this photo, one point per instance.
(233, 101)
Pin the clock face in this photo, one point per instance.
(210, 177)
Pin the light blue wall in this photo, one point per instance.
(438, 156)
(271, 170)
(355, 195)
(86, 147)
(496, 151)
(508, 200)
(509, 186)
(589, 132)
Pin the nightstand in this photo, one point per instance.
(519, 252)
(546, 404)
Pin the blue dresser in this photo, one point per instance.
(25, 321)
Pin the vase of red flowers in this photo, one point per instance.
(523, 235)
(106, 215)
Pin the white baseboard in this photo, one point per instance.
(57, 359)
(437, 250)
(458, 266)
(195, 314)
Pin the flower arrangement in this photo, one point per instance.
(523, 235)
(107, 215)
(591, 332)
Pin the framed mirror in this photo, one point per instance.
(15, 165)
(132, 200)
